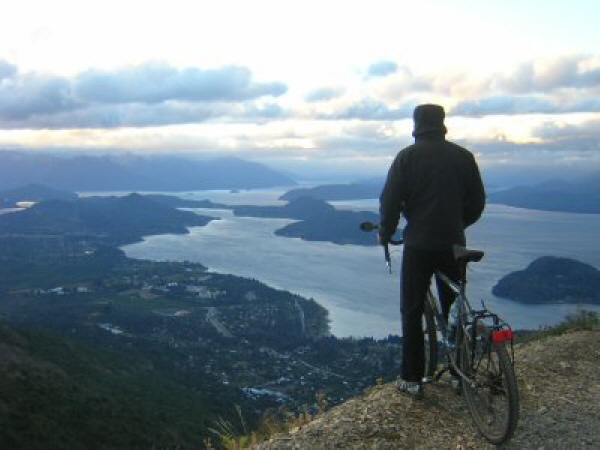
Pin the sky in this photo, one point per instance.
(314, 87)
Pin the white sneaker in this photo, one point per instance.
(412, 388)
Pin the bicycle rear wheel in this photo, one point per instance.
(430, 341)
(492, 394)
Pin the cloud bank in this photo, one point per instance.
(147, 95)
(543, 107)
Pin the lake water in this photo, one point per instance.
(352, 282)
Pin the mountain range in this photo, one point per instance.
(130, 173)
(581, 196)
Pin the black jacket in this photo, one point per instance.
(437, 186)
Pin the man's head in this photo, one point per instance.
(429, 119)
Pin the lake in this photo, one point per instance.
(352, 282)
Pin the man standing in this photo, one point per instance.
(436, 185)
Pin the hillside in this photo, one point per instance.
(560, 397)
(60, 393)
(111, 219)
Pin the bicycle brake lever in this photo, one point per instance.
(388, 260)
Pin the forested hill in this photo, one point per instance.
(551, 279)
(317, 221)
(352, 191)
(114, 220)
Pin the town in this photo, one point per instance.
(273, 345)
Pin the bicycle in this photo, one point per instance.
(473, 347)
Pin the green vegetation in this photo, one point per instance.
(352, 191)
(136, 354)
(59, 392)
(107, 220)
(552, 279)
(317, 221)
(582, 320)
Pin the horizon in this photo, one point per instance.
(308, 88)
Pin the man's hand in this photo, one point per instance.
(383, 240)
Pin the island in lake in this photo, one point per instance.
(317, 221)
(551, 279)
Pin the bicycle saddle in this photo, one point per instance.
(465, 255)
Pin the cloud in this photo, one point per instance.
(584, 136)
(551, 74)
(382, 69)
(527, 104)
(144, 115)
(149, 94)
(371, 109)
(7, 70)
(504, 104)
(553, 86)
(33, 94)
(157, 82)
(323, 94)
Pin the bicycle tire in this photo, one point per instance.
(430, 341)
(493, 398)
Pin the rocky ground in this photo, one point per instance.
(559, 384)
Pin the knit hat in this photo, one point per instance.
(429, 119)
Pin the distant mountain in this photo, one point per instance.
(135, 173)
(552, 280)
(300, 208)
(317, 221)
(332, 192)
(178, 202)
(554, 195)
(111, 219)
(33, 193)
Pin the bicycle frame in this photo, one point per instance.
(468, 321)
(464, 309)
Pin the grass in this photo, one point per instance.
(582, 320)
(236, 436)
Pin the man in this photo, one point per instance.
(436, 185)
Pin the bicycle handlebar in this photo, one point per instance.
(370, 226)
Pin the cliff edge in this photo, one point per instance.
(559, 383)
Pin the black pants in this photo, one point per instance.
(418, 267)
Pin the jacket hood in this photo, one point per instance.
(429, 119)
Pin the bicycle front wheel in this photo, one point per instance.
(430, 341)
(491, 393)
